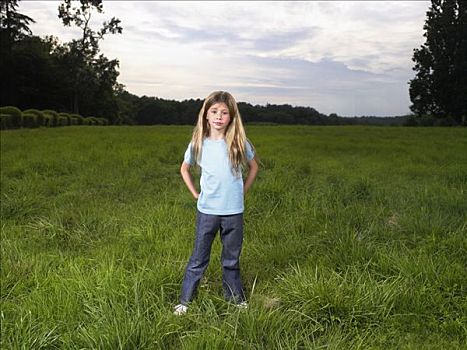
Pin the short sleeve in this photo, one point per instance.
(188, 158)
(250, 154)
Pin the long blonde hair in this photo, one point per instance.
(235, 133)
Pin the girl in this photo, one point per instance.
(220, 147)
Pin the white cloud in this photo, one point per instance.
(277, 52)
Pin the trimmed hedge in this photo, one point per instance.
(5, 121)
(30, 120)
(103, 121)
(53, 115)
(48, 120)
(80, 119)
(16, 116)
(62, 121)
(91, 121)
(11, 118)
(67, 117)
(40, 119)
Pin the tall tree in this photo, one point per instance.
(14, 26)
(39, 80)
(90, 71)
(440, 84)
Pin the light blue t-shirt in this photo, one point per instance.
(221, 190)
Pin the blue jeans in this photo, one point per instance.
(231, 233)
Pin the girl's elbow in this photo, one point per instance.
(184, 168)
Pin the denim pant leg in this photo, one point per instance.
(206, 229)
(231, 232)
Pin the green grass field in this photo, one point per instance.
(355, 237)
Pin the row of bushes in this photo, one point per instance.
(12, 118)
(430, 120)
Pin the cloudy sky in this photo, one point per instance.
(351, 58)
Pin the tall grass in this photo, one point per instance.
(355, 237)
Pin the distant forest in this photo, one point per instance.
(151, 110)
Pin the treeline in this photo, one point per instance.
(152, 110)
(75, 78)
(37, 73)
(44, 73)
(13, 118)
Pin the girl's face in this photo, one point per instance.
(218, 117)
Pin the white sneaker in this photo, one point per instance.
(242, 305)
(180, 309)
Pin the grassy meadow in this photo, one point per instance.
(355, 237)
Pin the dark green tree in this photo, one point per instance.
(94, 76)
(39, 78)
(14, 27)
(440, 84)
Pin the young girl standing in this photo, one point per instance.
(220, 147)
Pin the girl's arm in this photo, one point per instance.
(186, 175)
(253, 170)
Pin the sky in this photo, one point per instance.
(352, 58)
